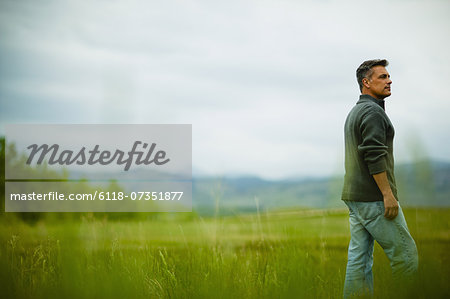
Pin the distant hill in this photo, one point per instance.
(423, 183)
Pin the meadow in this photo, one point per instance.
(293, 253)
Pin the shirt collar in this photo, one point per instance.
(366, 97)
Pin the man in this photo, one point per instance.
(369, 189)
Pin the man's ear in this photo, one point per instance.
(365, 82)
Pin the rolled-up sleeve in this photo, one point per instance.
(373, 146)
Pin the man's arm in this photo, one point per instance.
(390, 202)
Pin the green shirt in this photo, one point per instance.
(369, 136)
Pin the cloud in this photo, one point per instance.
(266, 85)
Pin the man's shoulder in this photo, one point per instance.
(362, 109)
(364, 112)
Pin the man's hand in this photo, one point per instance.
(390, 202)
(390, 206)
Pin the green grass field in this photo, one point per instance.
(286, 254)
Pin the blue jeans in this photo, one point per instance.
(367, 224)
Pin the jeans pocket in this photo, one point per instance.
(370, 210)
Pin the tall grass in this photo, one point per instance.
(290, 254)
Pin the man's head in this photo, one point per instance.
(374, 79)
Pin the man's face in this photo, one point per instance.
(379, 84)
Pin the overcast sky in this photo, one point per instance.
(266, 84)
